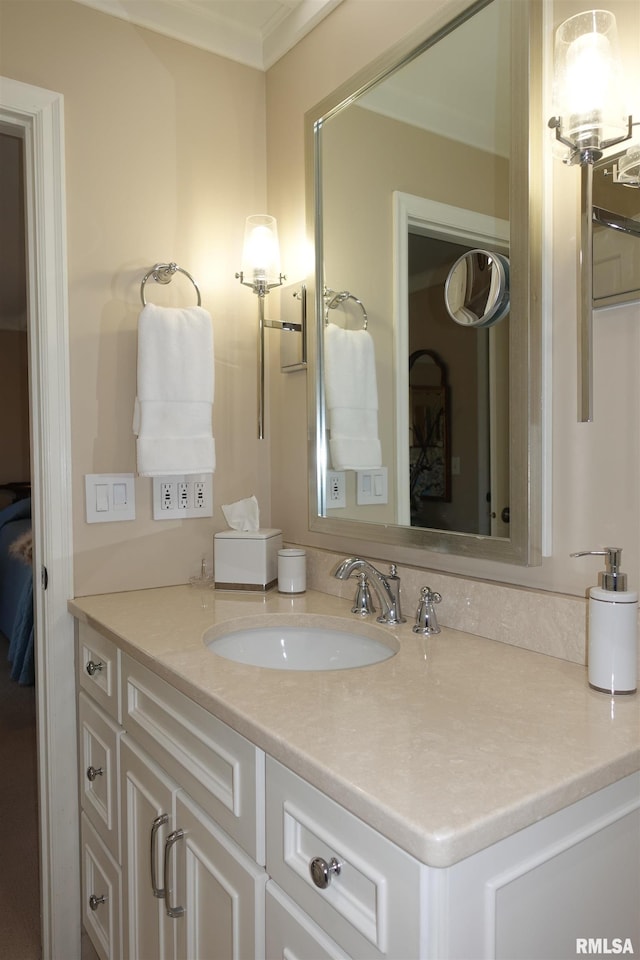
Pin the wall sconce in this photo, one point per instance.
(261, 271)
(589, 119)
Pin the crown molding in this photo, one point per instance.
(209, 26)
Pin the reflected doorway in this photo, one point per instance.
(470, 491)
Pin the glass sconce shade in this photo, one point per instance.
(261, 251)
(629, 167)
(588, 80)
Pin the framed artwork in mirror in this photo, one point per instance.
(430, 460)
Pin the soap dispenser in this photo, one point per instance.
(613, 627)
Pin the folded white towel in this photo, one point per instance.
(172, 415)
(351, 391)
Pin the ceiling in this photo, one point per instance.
(457, 87)
(254, 32)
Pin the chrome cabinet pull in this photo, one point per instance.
(93, 667)
(172, 839)
(155, 826)
(93, 772)
(322, 872)
(94, 902)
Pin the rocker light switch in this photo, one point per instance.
(109, 497)
(102, 497)
(119, 496)
(372, 486)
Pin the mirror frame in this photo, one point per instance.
(525, 255)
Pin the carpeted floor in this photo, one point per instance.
(19, 876)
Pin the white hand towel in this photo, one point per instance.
(352, 398)
(173, 408)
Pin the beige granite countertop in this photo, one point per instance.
(452, 744)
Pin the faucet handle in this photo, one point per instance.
(426, 620)
(363, 603)
(392, 581)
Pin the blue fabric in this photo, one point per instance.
(16, 593)
(19, 510)
(21, 643)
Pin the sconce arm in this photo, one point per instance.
(616, 221)
(260, 287)
(588, 154)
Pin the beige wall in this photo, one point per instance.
(595, 467)
(167, 151)
(165, 157)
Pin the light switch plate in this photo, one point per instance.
(372, 486)
(109, 497)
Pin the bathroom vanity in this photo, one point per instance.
(462, 799)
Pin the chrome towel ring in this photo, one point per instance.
(333, 300)
(163, 273)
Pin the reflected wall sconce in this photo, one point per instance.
(261, 272)
(589, 118)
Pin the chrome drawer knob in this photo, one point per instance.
(94, 902)
(323, 872)
(93, 667)
(93, 772)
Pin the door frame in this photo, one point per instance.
(37, 116)
(445, 222)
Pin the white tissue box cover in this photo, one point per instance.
(246, 559)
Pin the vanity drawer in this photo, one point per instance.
(99, 739)
(100, 894)
(98, 667)
(372, 907)
(219, 768)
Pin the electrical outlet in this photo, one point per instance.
(182, 498)
(183, 495)
(167, 495)
(336, 489)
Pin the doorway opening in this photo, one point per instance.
(36, 116)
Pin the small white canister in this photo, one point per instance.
(292, 570)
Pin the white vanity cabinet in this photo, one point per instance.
(197, 845)
(172, 818)
(536, 895)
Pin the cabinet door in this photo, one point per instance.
(291, 935)
(147, 794)
(220, 890)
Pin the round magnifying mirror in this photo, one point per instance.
(476, 292)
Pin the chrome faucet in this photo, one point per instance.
(387, 587)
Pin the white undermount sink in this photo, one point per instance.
(303, 642)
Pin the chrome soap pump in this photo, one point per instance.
(613, 627)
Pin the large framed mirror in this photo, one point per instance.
(431, 153)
